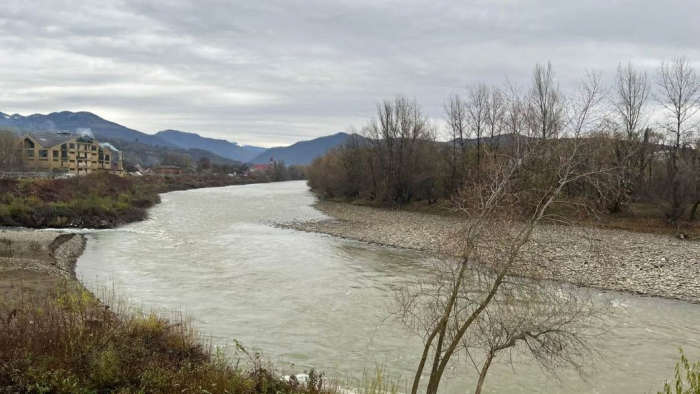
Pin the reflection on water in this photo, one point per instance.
(315, 300)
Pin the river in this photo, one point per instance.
(315, 300)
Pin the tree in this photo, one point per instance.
(480, 302)
(10, 153)
(176, 159)
(495, 116)
(203, 164)
(456, 117)
(545, 104)
(477, 111)
(399, 136)
(631, 138)
(678, 92)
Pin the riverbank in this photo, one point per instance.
(97, 201)
(35, 264)
(645, 264)
(55, 336)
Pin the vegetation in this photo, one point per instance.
(10, 158)
(72, 343)
(643, 169)
(686, 380)
(95, 200)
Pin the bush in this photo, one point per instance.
(95, 200)
(687, 373)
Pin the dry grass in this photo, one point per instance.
(72, 343)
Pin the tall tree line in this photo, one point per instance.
(642, 130)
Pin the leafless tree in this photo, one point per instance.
(545, 103)
(458, 127)
(480, 303)
(399, 133)
(630, 149)
(10, 153)
(477, 112)
(630, 99)
(678, 92)
(495, 116)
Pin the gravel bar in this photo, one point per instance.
(645, 264)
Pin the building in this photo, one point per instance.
(263, 167)
(168, 170)
(69, 153)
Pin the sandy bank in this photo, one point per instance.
(647, 264)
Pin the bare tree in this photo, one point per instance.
(629, 100)
(545, 103)
(457, 125)
(495, 116)
(10, 153)
(477, 111)
(480, 303)
(398, 134)
(678, 92)
(630, 142)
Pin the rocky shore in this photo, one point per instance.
(34, 263)
(646, 264)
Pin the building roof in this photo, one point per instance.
(49, 140)
(170, 167)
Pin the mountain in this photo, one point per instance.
(303, 152)
(230, 150)
(150, 155)
(86, 122)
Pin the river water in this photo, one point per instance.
(314, 300)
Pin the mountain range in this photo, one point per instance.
(302, 152)
(190, 144)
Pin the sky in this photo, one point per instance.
(273, 72)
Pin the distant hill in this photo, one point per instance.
(86, 122)
(151, 155)
(303, 152)
(227, 149)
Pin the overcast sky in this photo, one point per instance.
(274, 72)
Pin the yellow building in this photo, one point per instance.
(69, 153)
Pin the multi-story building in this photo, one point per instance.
(69, 153)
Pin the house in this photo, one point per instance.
(69, 153)
(140, 171)
(167, 170)
(263, 167)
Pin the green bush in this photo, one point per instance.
(687, 378)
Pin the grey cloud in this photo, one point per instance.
(273, 72)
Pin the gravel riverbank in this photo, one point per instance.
(647, 264)
(34, 263)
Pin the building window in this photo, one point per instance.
(106, 157)
(30, 153)
(28, 144)
(72, 146)
(94, 147)
(43, 153)
(72, 161)
(64, 155)
(55, 154)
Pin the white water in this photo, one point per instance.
(315, 300)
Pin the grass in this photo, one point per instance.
(96, 200)
(72, 343)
